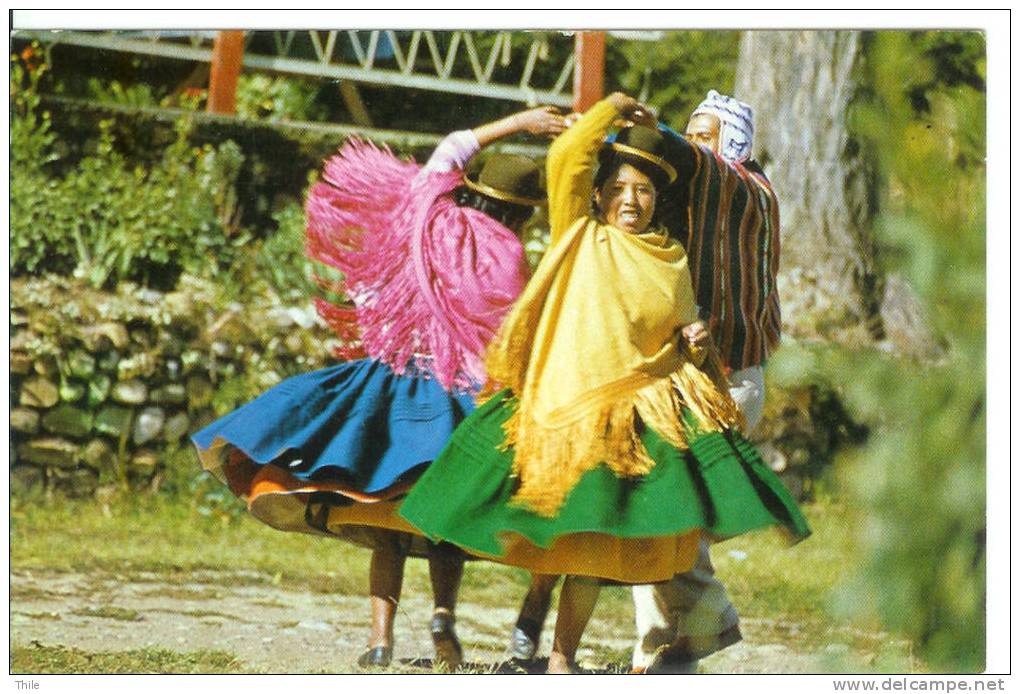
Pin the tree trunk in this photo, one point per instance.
(800, 84)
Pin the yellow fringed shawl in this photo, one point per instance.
(595, 340)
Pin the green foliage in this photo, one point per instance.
(281, 256)
(111, 220)
(919, 482)
(279, 98)
(674, 73)
(114, 92)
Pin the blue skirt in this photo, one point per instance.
(354, 434)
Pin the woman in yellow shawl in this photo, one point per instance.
(613, 443)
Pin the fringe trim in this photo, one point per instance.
(550, 462)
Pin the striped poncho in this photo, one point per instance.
(727, 217)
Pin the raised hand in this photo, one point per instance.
(633, 110)
(544, 120)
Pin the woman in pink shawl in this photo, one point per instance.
(432, 263)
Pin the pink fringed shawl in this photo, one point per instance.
(430, 281)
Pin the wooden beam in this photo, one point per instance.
(227, 53)
(589, 68)
(355, 106)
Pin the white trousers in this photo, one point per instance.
(691, 614)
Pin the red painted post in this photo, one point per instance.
(228, 50)
(589, 68)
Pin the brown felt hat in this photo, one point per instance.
(509, 177)
(647, 144)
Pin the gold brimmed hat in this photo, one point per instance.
(644, 143)
(509, 177)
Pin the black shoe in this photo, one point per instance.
(672, 666)
(524, 639)
(448, 650)
(379, 656)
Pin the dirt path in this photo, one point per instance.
(276, 629)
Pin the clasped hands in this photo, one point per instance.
(547, 120)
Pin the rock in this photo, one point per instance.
(68, 420)
(107, 493)
(132, 392)
(53, 452)
(79, 483)
(83, 483)
(108, 361)
(145, 459)
(191, 360)
(200, 391)
(773, 457)
(113, 420)
(179, 303)
(81, 364)
(142, 467)
(71, 391)
(21, 363)
(26, 479)
(233, 326)
(268, 379)
(39, 392)
(148, 424)
(99, 389)
(203, 418)
(24, 420)
(101, 337)
(143, 337)
(170, 394)
(315, 625)
(794, 483)
(279, 317)
(150, 296)
(176, 427)
(46, 366)
(305, 317)
(141, 364)
(220, 349)
(22, 339)
(294, 343)
(100, 456)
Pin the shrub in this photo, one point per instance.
(108, 220)
(284, 98)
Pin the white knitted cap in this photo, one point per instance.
(736, 124)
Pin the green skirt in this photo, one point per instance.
(719, 486)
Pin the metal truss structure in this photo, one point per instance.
(493, 64)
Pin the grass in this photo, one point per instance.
(162, 536)
(37, 659)
(120, 614)
(784, 594)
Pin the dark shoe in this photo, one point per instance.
(379, 656)
(524, 639)
(672, 666)
(448, 650)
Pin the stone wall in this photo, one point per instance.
(103, 384)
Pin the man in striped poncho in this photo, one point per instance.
(722, 209)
